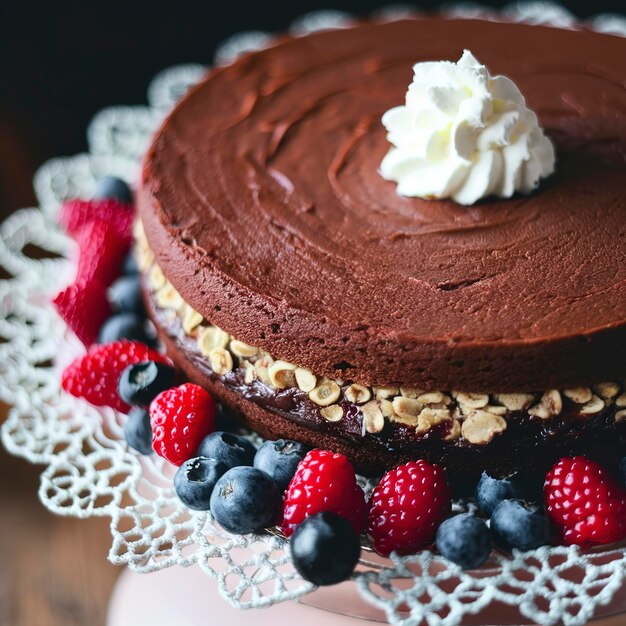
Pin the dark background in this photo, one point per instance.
(61, 61)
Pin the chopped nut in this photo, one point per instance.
(156, 278)
(473, 400)
(595, 405)
(305, 379)
(620, 416)
(261, 368)
(496, 410)
(620, 401)
(325, 394)
(250, 374)
(410, 392)
(332, 413)
(481, 427)
(431, 417)
(144, 257)
(580, 395)
(282, 374)
(358, 394)
(373, 419)
(549, 406)
(382, 393)
(168, 298)
(606, 391)
(386, 407)
(221, 361)
(191, 319)
(407, 408)
(210, 338)
(454, 431)
(434, 397)
(515, 401)
(241, 349)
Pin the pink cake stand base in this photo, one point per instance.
(188, 597)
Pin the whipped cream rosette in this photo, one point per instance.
(465, 135)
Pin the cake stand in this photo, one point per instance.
(89, 470)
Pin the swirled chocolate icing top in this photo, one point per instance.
(264, 206)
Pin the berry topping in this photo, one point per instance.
(130, 267)
(181, 417)
(111, 187)
(407, 507)
(324, 481)
(491, 491)
(229, 448)
(585, 504)
(464, 540)
(102, 252)
(75, 214)
(195, 480)
(125, 295)
(94, 376)
(516, 524)
(138, 432)
(124, 326)
(245, 500)
(280, 459)
(325, 549)
(84, 308)
(141, 383)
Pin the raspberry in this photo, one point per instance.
(102, 252)
(584, 503)
(324, 481)
(75, 214)
(181, 418)
(95, 375)
(84, 308)
(407, 507)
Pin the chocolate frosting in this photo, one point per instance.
(264, 206)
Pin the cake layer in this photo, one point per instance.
(263, 204)
(522, 442)
(375, 426)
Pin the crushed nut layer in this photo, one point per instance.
(475, 417)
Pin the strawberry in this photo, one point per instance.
(84, 308)
(75, 214)
(102, 252)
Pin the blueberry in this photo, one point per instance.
(516, 524)
(245, 500)
(130, 267)
(622, 472)
(325, 549)
(195, 480)
(141, 383)
(113, 188)
(138, 432)
(125, 295)
(464, 540)
(280, 459)
(491, 491)
(227, 447)
(124, 326)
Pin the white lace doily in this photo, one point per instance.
(90, 471)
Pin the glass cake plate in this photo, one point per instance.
(89, 470)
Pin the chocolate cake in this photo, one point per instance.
(289, 277)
